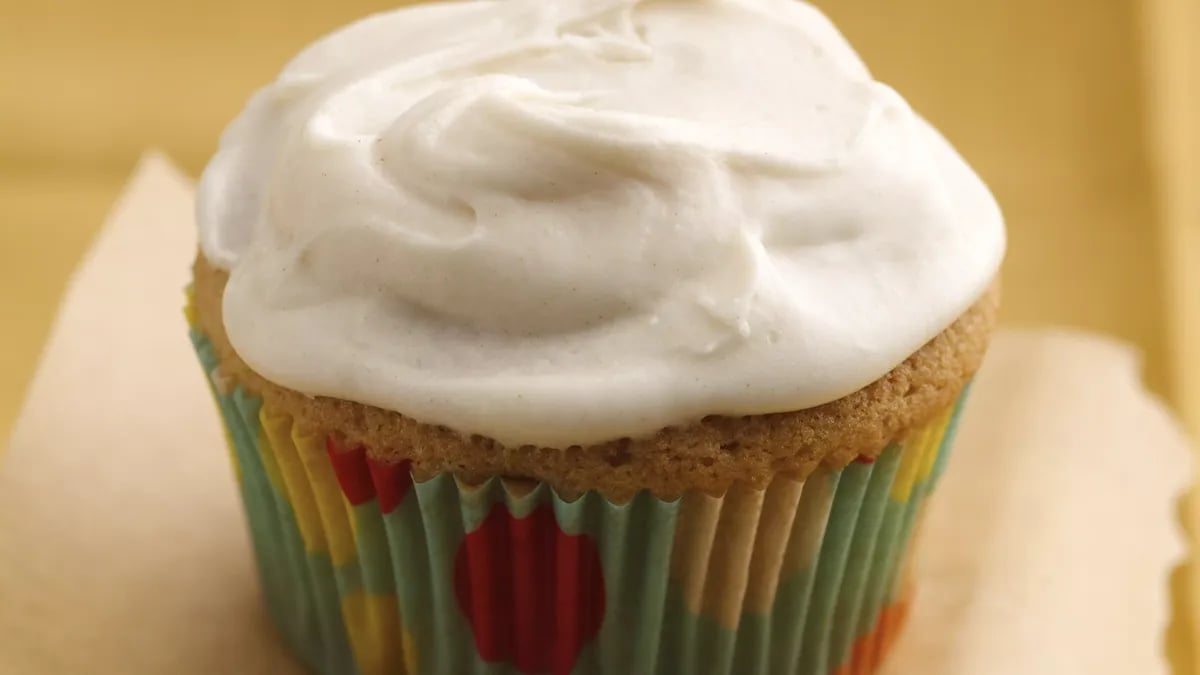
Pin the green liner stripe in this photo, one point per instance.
(209, 362)
(421, 540)
(315, 624)
(447, 632)
(263, 534)
(308, 625)
(308, 610)
(323, 578)
(831, 567)
(683, 638)
(637, 585)
(892, 539)
(347, 584)
(611, 532)
(654, 539)
(888, 552)
(298, 587)
(407, 545)
(943, 457)
(921, 490)
(375, 569)
(786, 626)
(860, 567)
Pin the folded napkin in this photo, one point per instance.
(123, 549)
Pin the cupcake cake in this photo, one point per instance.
(589, 336)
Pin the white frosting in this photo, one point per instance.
(565, 222)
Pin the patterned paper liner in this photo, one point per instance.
(366, 571)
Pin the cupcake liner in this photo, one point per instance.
(366, 571)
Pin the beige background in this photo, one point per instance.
(1081, 114)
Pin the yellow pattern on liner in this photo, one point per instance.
(270, 464)
(756, 530)
(189, 312)
(380, 646)
(328, 495)
(935, 443)
(189, 307)
(816, 499)
(410, 651)
(372, 620)
(232, 450)
(727, 574)
(910, 465)
(278, 427)
(695, 531)
(771, 537)
(918, 456)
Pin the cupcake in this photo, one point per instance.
(589, 336)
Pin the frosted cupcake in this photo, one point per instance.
(593, 336)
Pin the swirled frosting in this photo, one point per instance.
(565, 222)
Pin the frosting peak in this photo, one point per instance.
(559, 223)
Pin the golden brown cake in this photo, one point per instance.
(708, 455)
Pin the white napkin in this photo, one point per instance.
(123, 549)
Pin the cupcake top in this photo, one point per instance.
(560, 223)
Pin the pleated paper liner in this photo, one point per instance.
(366, 571)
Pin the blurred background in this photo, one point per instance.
(1079, 113)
